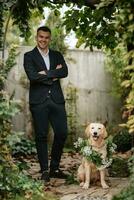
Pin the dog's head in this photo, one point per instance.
(96, 131)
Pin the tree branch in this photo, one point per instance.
(90, 3)
(6, 29)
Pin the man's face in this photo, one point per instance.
(43, 39)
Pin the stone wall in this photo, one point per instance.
(87, 90)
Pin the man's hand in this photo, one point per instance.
(42, 72)
(59, 66)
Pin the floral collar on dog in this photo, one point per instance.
(85, 149)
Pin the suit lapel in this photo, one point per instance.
(51, 57)
(39, 58)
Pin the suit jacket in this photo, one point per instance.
(40, 84)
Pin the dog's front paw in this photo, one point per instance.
(105, 186)
(85, 186)
(81, 184)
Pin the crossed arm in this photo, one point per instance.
(44, 77)
(44, 72)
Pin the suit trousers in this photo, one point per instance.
(42, 114)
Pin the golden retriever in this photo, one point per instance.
(96, 133)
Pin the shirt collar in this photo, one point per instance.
(42, 53)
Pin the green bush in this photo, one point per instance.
(127, 193)
(123, 140)
(14, 184)
(119, 168)
(21, 145)
(25, 147)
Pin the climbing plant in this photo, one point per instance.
(71, 106)
(14, 184)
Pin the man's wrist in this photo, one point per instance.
(42, 72)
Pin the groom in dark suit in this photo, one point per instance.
(44, 68)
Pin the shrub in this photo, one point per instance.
(119, 168)
(123, 140)
(21, 145)
(127, 193)
(14, 184)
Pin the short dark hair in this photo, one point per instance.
(44, 28)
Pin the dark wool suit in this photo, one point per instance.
(47, 104)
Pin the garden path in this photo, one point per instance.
(70, 190)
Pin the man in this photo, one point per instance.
(44, 68)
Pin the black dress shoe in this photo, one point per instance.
(45, 176)
(57, 174)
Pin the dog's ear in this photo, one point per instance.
(87, 131)
(105, 123)
(105, 134)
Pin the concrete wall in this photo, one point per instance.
(87, 75)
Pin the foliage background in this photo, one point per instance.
(108, 26)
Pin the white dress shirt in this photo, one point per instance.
(45, 58)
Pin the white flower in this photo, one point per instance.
(80, 140)
(112, 149)
(87, 151)
(105, 163)
(78, 143)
